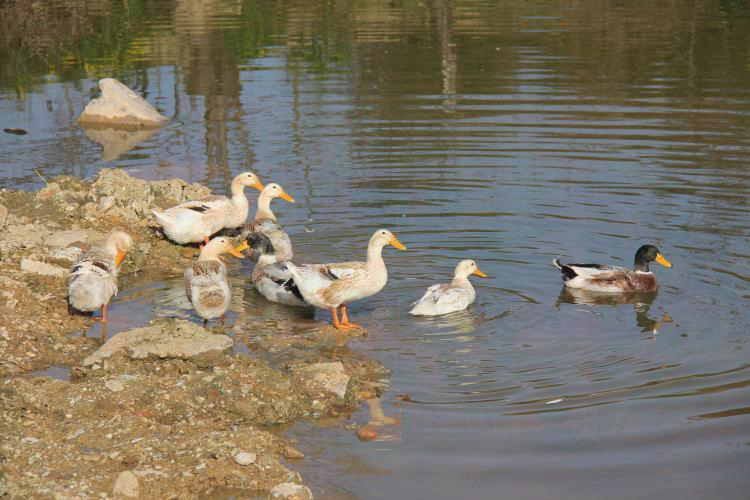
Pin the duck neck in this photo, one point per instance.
(375, 255)
(641, 265)
(264, 208)
(461, 281)
(239, 200)
(267, 259)
(209, 253)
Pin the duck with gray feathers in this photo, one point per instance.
(272, 250)
(447, 298)
(92, 280)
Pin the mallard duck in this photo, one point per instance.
(206, 283)
(271, 276)
(444, 299)
(329, 286)
(196, 220)
(599, 278)
(92, 280)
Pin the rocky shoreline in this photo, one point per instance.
(168, 410)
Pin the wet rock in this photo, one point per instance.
(168, 339)
(34, 266)
(62, 239)
(291, 453)
(119, 105)
(126, 485)
(291, 491)
(327, 376)
(245, 457)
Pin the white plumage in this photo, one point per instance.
(448, 298)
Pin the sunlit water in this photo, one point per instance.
(508, 133)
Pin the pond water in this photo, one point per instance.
(507, 132)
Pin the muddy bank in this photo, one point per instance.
(164, 411)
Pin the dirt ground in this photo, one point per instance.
(157, 427)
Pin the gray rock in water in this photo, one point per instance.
(327, 376)
(119, 105)
(34, 266)
(291, 491)
(126, 485)
(169, 339)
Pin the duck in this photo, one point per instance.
(330, 286)
(614, 279)
(195, 221)
(265, 218)
(271, 275)
(92, 280)
(206, 285)
(448, 298)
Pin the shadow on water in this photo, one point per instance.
(641, 302)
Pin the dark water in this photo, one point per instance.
(507, 132)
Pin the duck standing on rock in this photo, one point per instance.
(329, 286)
(456, 296)
(206, 283)
(195, 221)
(613, 279)
(92, 280)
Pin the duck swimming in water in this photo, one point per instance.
(448, 298)
(600, 278)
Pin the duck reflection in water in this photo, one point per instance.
(641, 304)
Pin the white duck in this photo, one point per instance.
(196, 220)
(329, 286)
(206, 283)
(271, 276)
(444, 299)
(92, 280)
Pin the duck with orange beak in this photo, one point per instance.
(613, 279)
(92, 280)
(252, 232)
(456, 296)
(206, 283)
(333, 286)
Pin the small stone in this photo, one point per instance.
(70, 253)
(126, 485)
(291, 491)
(114, 385)
(327, 376)
(245, 457)
(106, 203)
(62, 239)
(291, 453)
(76, 434)
(34, 266)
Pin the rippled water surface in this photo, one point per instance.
(508, 132)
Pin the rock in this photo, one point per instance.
(126, 485)
(327, 376)
(119, 105)
(23, 236)
(167, 339)
(245, 457)
(34, 266)
(291, 453)
(62, 239)
(291, 491)
(3, 215)
(70, 253)
(114, 385)
(106, 203)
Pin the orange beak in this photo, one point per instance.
(119, 258)
(237, 251)
(661, 260)
(285, 196)
(394, 242)
(258, 185)
(479, 273)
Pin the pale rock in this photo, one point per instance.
(291, 491)
(245, 457)
(126, 485)
(166, 339)
(327, 376)
(34, 266)
(62, 239)
(119, 105)
(3, 215)
(114, 385)
(70, 253)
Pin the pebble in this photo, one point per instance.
(76, 434)
(291, 491)
(245, 457)
(126, 485)
(291, 453)
(114, 385)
